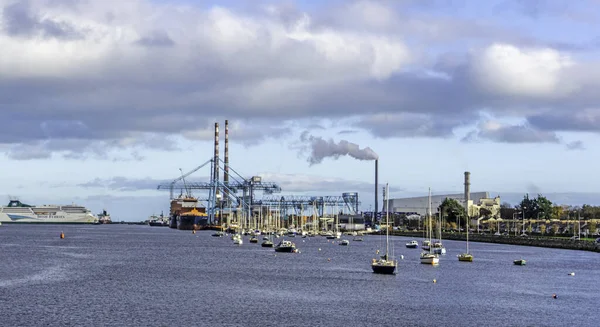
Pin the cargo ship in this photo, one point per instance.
(20, 213)
(187, 213)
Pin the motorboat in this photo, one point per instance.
(285, 246)
(520, 262)
(412, 244)
(344, 242)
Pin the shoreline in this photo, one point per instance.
(537, 241)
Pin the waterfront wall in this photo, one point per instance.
(547, 242)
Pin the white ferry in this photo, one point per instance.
(18, 212)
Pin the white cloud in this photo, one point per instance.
(511, 71)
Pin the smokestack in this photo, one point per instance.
(217, 164)
(467, 191)
(376, 190)
(226, 171)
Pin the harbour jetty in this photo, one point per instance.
(539, 241)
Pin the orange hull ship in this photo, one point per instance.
(187, 213)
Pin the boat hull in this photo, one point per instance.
(285, 249)
(430, 260)
(412, 246)
(465, 257)
(519, 262)
(267, 245)
(383, 269)
(42, 219)
(439, 250)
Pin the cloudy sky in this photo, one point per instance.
(104, 99)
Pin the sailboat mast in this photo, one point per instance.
(387, 219)
(429, 227)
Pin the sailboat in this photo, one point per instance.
(438, 247)
(468, 257)
(428, 257)
(385, 264)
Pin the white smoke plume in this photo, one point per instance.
(321, 149)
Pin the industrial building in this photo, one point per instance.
(418, 205)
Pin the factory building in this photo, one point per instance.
(418, 205)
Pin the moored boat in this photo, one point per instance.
(520, 262)
(344, 242)
(385, 265)
(412, 244)
(429, 257)
(467, 257)
(285, 246)
(18, 212)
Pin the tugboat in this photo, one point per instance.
(104, 217)
(159, 221)
(285, 246)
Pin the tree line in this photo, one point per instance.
(542, 208)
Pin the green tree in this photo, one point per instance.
(544, 207)
(535, 207)
(452, 210)
(557, 212)
(543, 228)
(528, 207)
(507, 211)
(593, 227)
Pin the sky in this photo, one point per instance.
(104, 100)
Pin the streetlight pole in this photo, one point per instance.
(523, 232)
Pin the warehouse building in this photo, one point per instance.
(418, 205)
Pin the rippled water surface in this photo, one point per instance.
(130, 275)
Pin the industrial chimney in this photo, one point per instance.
(216, 164)
(226, 168)
(376, 190)
(467, 191)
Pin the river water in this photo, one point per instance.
(131, 275)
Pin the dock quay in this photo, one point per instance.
(538, 241)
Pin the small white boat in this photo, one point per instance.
(237, 239)
(412, 244)
(430, 258)
(344, 242)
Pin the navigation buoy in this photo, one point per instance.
(193, 231)
(435, 281)
(572, 274)
(328, 259)
(554, 296)
(401, 257)
(319, 249)
(62, 235)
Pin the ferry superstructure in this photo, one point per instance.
(18, 212)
